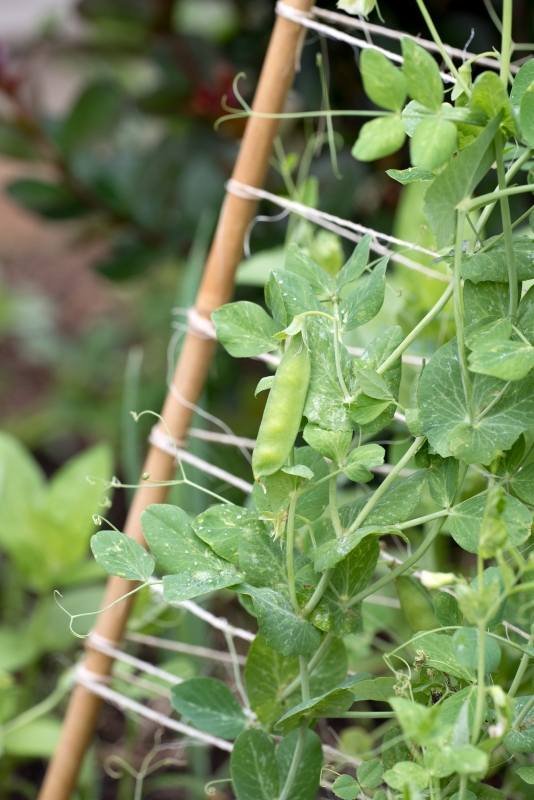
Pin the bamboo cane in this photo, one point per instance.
(189, 379)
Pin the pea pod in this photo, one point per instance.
(416, 605)
(283, 411)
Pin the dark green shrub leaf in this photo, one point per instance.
(210, 706)
(120, 555)
(49, 200)
(94, 115)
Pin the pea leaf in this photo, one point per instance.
(264, 384)
(267, 674)
(492, 264)
(443, 410)
(222, 526)
(525, 315)
(336, 701)
(295, 293)
(262, 560)
(422, 75)
(443, 479)
(298, 262)
(312, 503)
(446, 760)
(447, 610)
(406, 773)
(279, 625)
(495, 331)
(457, 182)
(356, 263)
(331, 444)
(366, 300)
(333, 551)
(394, 748)
(253, 766)
(465, 646)
(332, 613)
(523, 484)
(433, 143)
(360, 460)
(186, 585)
(244, 329)
(378, 689)
(324, 401)
(346, 787)
(486, 298)
(378, 350)
(489, 98)
(520, 738)
(120, 555)
(466, 520)
(526, 774)
(410, 175)
(370, 774)
(526, 114)
(372, 384)
(508, 360)
(436, 652)
(522, 81)
(309, 769)
(379, 138)
(396, 504)
(210, 706)
(384, 84)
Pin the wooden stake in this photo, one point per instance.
(189, 379)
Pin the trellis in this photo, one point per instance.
(244, 191)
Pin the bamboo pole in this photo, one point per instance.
(189, 379)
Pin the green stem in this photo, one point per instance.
(506, 40)
(38, 710)
(498, 397)
(463, 787)
(304, 679)
(320, 589)
(446, 57)
(481, 668)
(500, 236)
(484, 199)
(459, 315)
(364, 715)
(337, 355)
(312, 663)
(295, 762)
(413, 523)
(522, 668)
(375, 497)
(332, 499)
(290, 544)
(523, 714)
(507, 224)
(427, 319)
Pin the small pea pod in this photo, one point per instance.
(416, 605)
(283, 411)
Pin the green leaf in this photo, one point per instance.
(526, 114)
(117, 554)
(526, 774)
(15, 144)
(324, 401)
(267, 674)
(17, 648)
(465, 646)
(372, 384)
(312, 503)
(299, 471)
(433, 143)
(525, 315)
(309, 770)
(346, 787)
(397, 503)
(222, 526)
(492, 264)
(379, 138)
(210, 706)
(384, 84)
(253, 766)
(447, 610)
(298, 262)
(187, 585)
(420, 723)
(331, 614)
(255, 271)
(378, 350)
(38, 739)
(378, 689)
(294, 292)
(334, 702)
(94, 115)
(489, 98)
(457, 182)
(415, 604)
(279, 625)
(332, 552)
(443, 410)
(521, 83)
(370, 774)
(436, 652)
(360, 461)
(49, 200)
(356, 263)
(495, 331)
(509, 361)
(331, 444)
(523, 484)
(128, 259)
(443, 479)
(466, 522)
(485, 298)
(244, 329)
(394, 748)
(520, 739)
(422, 75)
(406, 773)
(262, 560)
(410, 175)
(364, 303)
(466, 760)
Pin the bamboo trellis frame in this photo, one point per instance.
(189, 379)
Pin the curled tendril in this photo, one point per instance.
(72, 617)
(210, 789)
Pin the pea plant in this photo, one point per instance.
(455, 705)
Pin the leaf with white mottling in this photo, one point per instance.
(119, 555)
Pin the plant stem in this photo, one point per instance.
(295, 762)
(524, 713)
(427, 319)
(313, 662)
(304, 679)
(38, 710)
(375, 497)
(290, 544)
(459, 315)
(506, 40)
(507, 223)
(463, 787)
(337, 355)
(364, 715)
(522, 668)
(320, 589)
(485, 199)
(332, 498)
(412, 523)
(494, 402)
(446, 57)
(481, 671)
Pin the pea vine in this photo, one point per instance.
(301, 558)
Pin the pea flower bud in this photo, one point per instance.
(356, 7)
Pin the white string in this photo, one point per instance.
(97, 642)
(388, 33)
(339, 225)
(221, 438)
(304, 19)
(182, 647)
(168, 445)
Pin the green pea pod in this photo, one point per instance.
(416, 605)
(283, 411)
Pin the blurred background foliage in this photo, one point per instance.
(112, 175)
